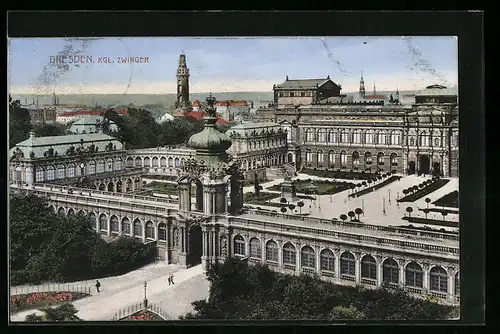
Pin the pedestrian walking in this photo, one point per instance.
(97, 285)
(172, 278)
(169, 280)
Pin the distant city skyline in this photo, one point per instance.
(230, 64)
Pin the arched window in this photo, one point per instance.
(347, 264)
(309, 135)
(439, 279)
(114, 224)
(356, 137)
(239, 245)
(147, 162)
(162, 232)
(330, 136)
(39, 174)
(118, 164)
(130, 162)
(308, 156)
(436, 142)
(390, 271)
(457, 284)
(255, 249)
(368, 267)
(368, 158)
(382, 137)
(150, 230)
(369, 137)
(331, 157)
(272, 251)
(327, 260)
(126, 226)
(170, 162)
(320, 156)
(345, 136)
(60, 172)
(321, 135)
(91, 167)
(289, 254)
(308, 257)
(177, 163)
(394, 159)
(71, 212)
(71, 170)
(355, 158)
(51, 173)
(100, 166)
(163, 162)
(93, 220)
(138, 162)
(175, 237)
(395, 138)
(109, 165)
(103, 222)
(155, 161)
(137, 228)
(414, 275)
(61, 211)
(380, 158)
(424, 139)
(343, 158)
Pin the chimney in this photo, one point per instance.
(328, 77)
(286, 78)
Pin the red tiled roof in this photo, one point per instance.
(198, 116)
(196, 103)
(231, 103)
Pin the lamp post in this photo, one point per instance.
(145, 298)
(383, 205)
(389, 195)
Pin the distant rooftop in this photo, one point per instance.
(438, 90)
(304, 84)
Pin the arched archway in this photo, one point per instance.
(111, 186)
(290, 157)
(71, 212)
(436, 169)
(195, 245)
(424, 164)
(102, 187)
(411, 167)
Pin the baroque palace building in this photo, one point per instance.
(421, 138)
(203, 226)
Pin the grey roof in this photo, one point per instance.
(452, 91)
(250, 127)
(60, 144)
(306, 83)
(89, 120)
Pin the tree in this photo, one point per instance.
(346, 313)
(300, 204)
(291, 207)
(283, 209)
(283, 200)
(364, 183)
(421, 185)
(343, 217)
(351, 215)
(50, 129)
(409, 210)
(415, 188)
(427, 200)
(65, 312)
(426, 211)
(358, 211)
(19, 122)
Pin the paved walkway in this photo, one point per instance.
(121, 291)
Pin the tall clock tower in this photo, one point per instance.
(182, 83)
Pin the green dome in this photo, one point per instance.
(210, 139)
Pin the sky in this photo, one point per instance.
(230, 64)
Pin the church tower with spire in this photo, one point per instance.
(362, 92)
(182, 100)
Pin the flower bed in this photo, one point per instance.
(42, 299)
(143, 315)
(262, 199)
(435, 185)
(324, 187)
(449, 200)
(375, 187)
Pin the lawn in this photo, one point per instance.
(449, 200)
(38, 300)
(324, 187)
(262, 199)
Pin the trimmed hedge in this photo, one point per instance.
(436, 222)
(435, 185)
(339, 174)
(448, 200)
(376, 186)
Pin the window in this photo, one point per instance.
(93, 219)
(289, 254)
(439, 279)
(394, 159)
(356, 137)
(175, 237)
(391, 271)
(345, 136)
(424, 139)
(347, 264)
(170, 162)
(162, 232)
(109, 165)
(281, 94)
(155, 162)
(302, 94)
(308, 156)
(39, 174)
(147, 162)
(309, 135)
(414, 275)
(150, 230)
(327, 260)
(412, 141)
(331, 157)
(291, 94)
(382, 137)
(308, 257)
(114, 224)
(355, 158)
(103, 222)
(343, 158)
(60, 172)
(239, 245)
(163, 162)
(130, 162)
(333, 136)
(91, 168)
(125, 226)
(255, 249)
(71, 170)
(320, 156)
(368, 267)
(177, 162)
(395, 138)
(272, 251)
(368, 158)
(137, 228)
(100, 166)
(321, 135)
(118, 164)
(51, 173)
(436, 141)
(380, 158)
